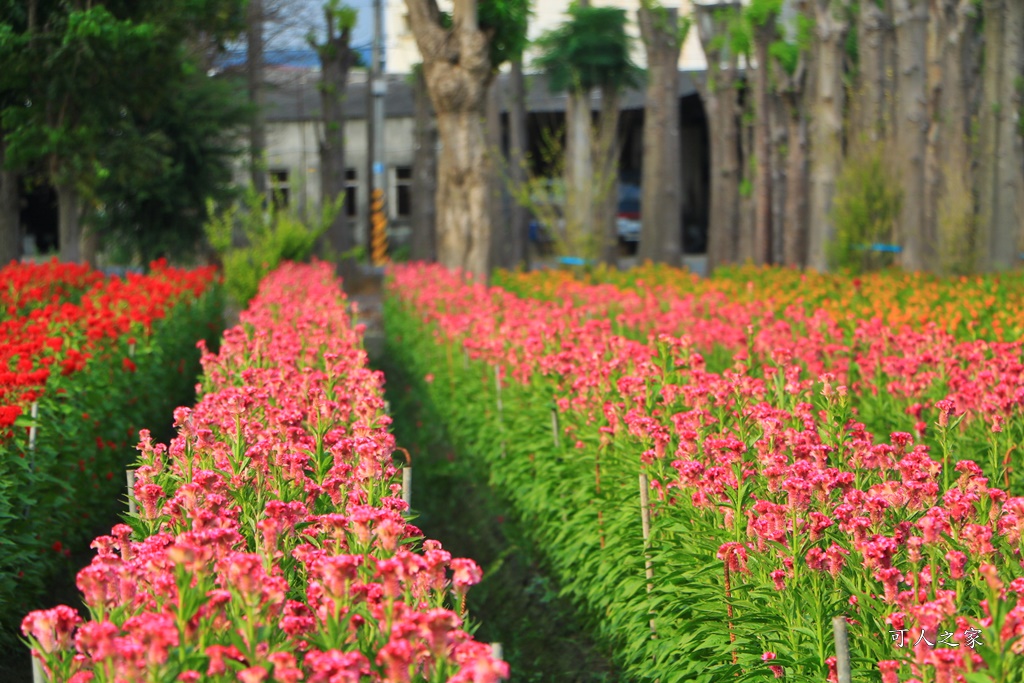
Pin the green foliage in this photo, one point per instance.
(865, 209)
(759, 12)
(271, 237)
(787, 52)
(165, 169)
(505, 22)
(590, 50)
(85, 94)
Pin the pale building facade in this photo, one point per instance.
(401, 52)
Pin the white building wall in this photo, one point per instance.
(293, 147)
(402, 52)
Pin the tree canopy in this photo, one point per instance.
(90, 93)
(590, 50)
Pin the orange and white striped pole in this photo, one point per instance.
(379, 232)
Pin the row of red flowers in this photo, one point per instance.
(54, 333)
(78, 375)
(808, 514)
(271, 542)
(27, 286)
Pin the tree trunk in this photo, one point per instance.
(747, 206)
(458, 71)
(10, 221)
(661, 202)
(69, 227)
(464, 187)
(500, 254)
(579, 170)
(826, 127)
(795, 235)
(424, 187)
(763, 36)
(90, 242)
(335, 60)
(519, 217)
(254, 76)
(1007, 196)
(778, 118)
(606, 160)
(911, 22)
(869, 105)
(721, 108)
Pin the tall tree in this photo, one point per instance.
(721, 105)
(336, 59)
(77, 74)
(663, 33)
(591, 50)
(873, 84)
(790, 59)
(999, 186)
(424, 187)
(254, 44)
(165, 168)
(460, 55)
(10, 228)
(519, 217)
(911, 24)
(762, 15)
(948, 201)
(831, 24)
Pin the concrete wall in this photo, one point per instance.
(294, 147)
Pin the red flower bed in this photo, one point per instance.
(270, 542)
(87, 361)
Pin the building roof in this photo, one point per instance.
(292, 95)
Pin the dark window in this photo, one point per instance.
(351, 191)
(403, 191)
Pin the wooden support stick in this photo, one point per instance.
(132, 509)
(842, 649)
(645, 519)
(554, 426)
(496, 651)
(32, 429)
(407, 485)
(38, 676)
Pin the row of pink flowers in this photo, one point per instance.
(271, 543)
(914, 539)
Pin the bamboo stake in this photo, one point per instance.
(842, 649)
(728, 609)
(465, 358)
(496, 651)
(32, 429)
(407, 485)
(406, 476)
(37, 671)
(645, 519)
(132, 509)
(554, 426)
(597, 493)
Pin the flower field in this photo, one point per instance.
(85, 361)
(271, 542)
(715, 469)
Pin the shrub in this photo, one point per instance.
(864, 210)
(271, 235)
